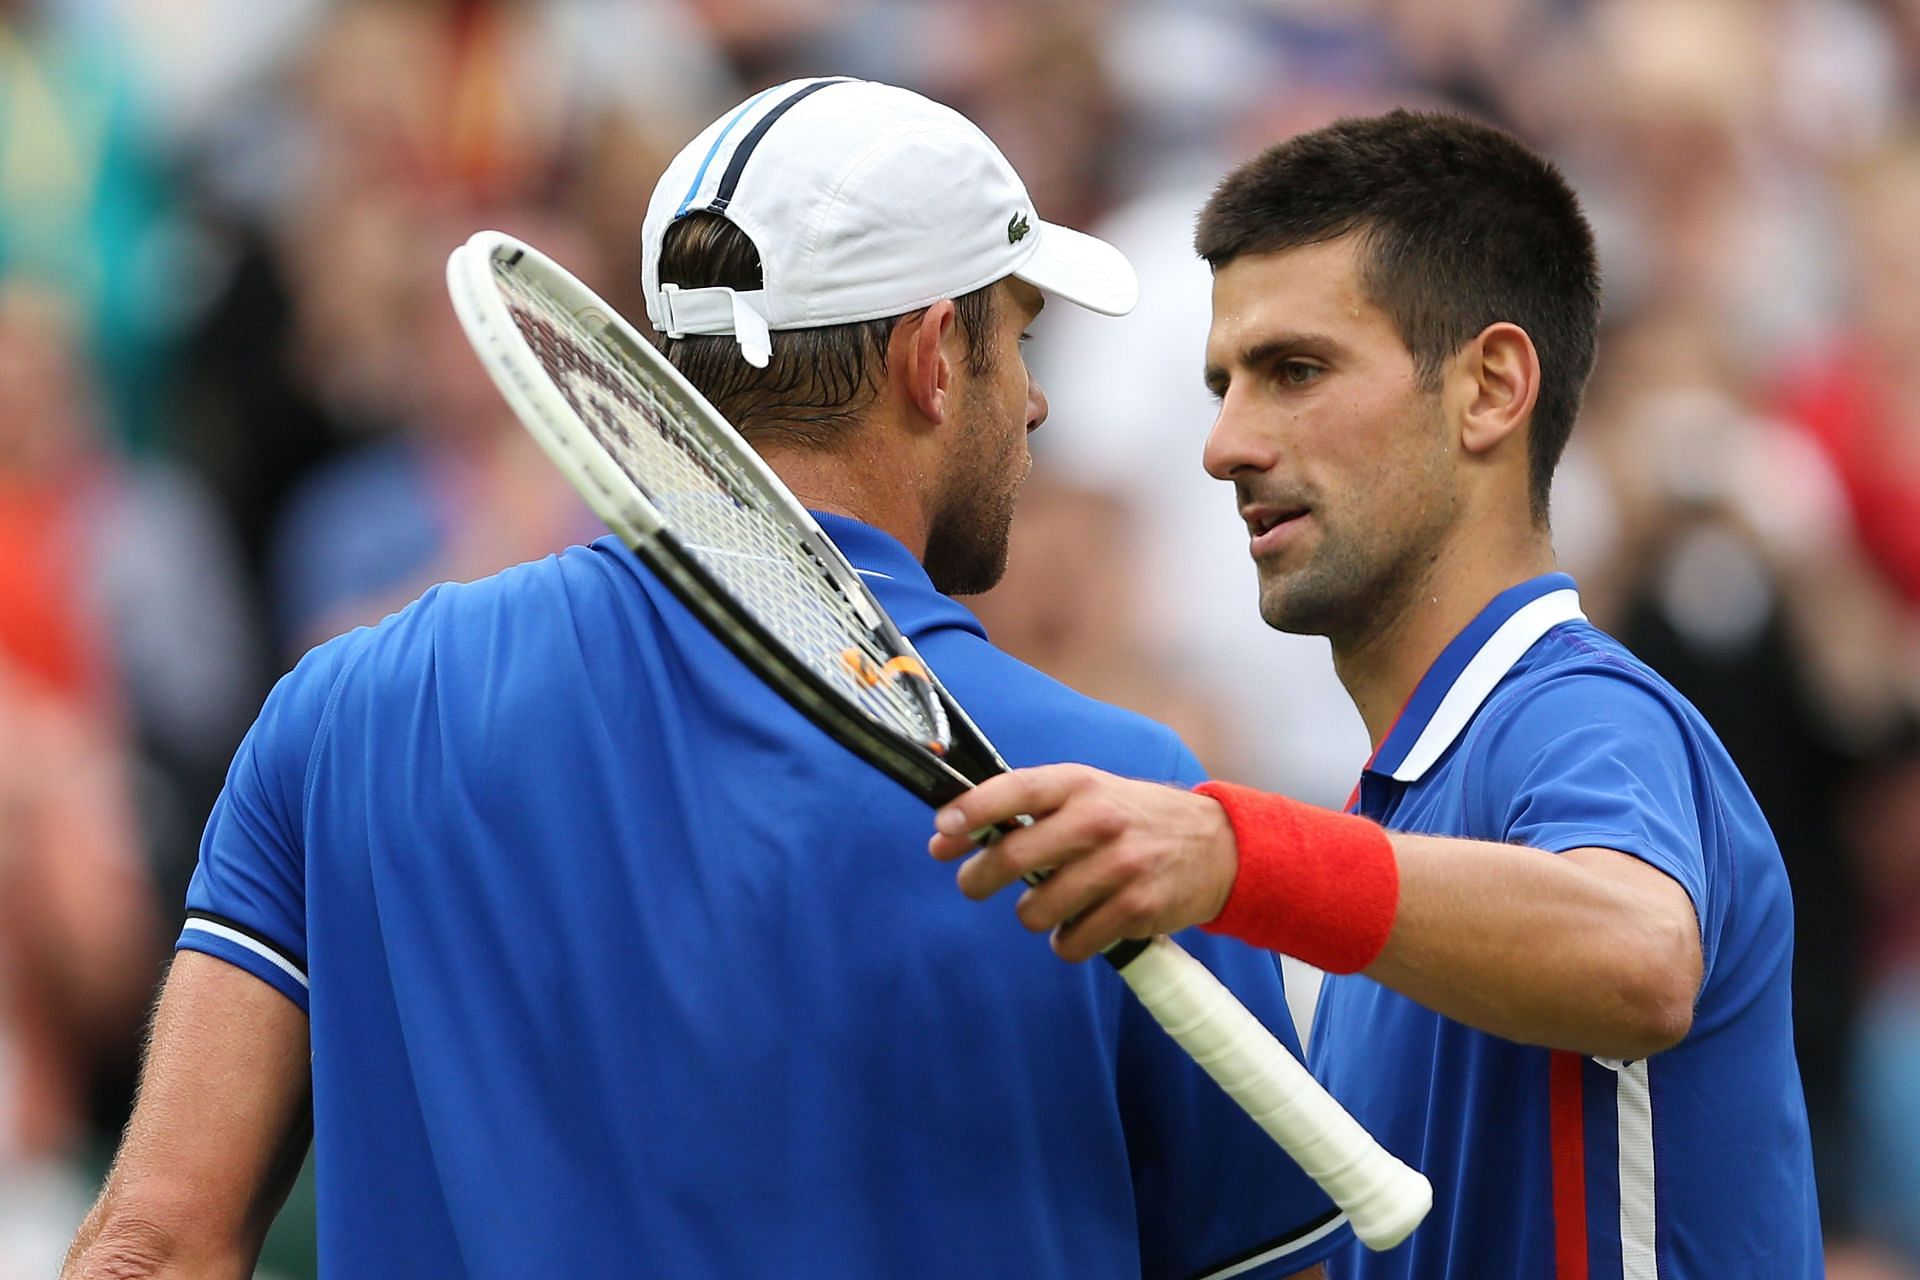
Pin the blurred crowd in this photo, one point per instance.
(237, 417)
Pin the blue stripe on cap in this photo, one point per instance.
(714, 150)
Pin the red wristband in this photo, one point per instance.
(1315, 884)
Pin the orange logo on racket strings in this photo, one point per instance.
(871, 676)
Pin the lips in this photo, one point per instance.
(1261, 519)
(1272, 526)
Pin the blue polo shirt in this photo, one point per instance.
(1534, 728)
(617, 966)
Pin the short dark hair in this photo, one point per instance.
(817, 380)
(1462, 227)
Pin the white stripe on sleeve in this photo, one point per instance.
(254, 945)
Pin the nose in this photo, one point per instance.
(1235, 446)
(1036, 403)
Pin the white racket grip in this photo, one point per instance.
(1384, 1198)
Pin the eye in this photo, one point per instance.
(1026, 338)
(1297, 373)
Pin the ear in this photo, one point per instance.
(1495, 383)
(920, 359)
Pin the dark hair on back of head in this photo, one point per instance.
(1462, 227)
(817, 381)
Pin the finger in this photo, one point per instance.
(1013, 856)
(1076, 889)
(946, 848)
(1114, 919)
(1085, 825)
(1035, 792)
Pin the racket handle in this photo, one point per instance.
(1384, 1198)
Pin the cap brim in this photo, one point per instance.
(1082, 269)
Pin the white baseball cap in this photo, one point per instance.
(864, 200)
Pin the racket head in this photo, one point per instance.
(671, 477)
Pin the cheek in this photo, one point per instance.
(1389, 444)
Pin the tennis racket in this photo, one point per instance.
(680, 487)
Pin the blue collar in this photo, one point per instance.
(894, 576)
(874, 553)
(1458, 682)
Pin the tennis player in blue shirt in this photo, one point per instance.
(1559, 925)
(588, 956)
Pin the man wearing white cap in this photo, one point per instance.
(588, 956)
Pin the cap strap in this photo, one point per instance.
(718, 310)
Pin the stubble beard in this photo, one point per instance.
(967, 541)
(1356, 582)
(1322, 597)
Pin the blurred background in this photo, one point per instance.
(237, 417)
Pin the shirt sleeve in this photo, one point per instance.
(1216, 1195)
(1589, 761)
(246, 903)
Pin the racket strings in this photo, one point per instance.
(719, 513)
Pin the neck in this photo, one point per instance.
(1381, 665)
(856, 481)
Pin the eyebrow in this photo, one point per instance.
(1269, 350)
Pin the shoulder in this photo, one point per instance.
(1579, 684)
(1583, 744)
(302, 693)
(1034, 719)
(520, 652)
(512, 614)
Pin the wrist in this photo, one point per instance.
(1310, 882)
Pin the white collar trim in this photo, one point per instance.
(1503, 648)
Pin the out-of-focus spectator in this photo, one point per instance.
(121, 576)
(1861, 400)
(120, 579)
(79, 937)
(1885, 824)
(1672, 127)
(396, 111)
(461, 491)
(1858, 400)
(82, 200)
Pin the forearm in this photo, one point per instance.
(1591, 949)
(218, 1132)
(117, 1242)
(149, 1224)
(1537, 948)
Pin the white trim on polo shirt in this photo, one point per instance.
(1477, 679)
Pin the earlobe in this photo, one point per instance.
(1500, 381)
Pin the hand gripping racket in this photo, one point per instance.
(680, 487)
